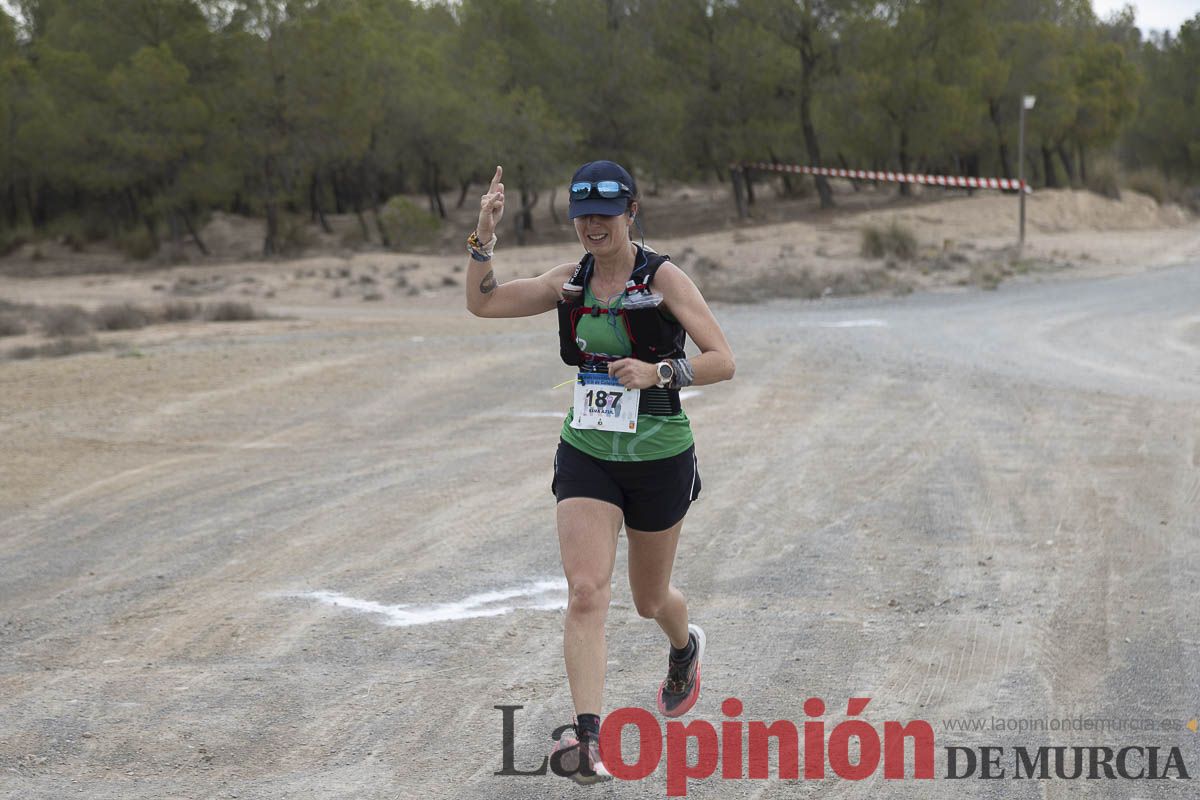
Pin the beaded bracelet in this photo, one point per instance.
(478, 250)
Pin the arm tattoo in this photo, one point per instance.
(488, 283)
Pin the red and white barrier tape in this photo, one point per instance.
(894, 177)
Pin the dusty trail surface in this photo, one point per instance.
(962, 505)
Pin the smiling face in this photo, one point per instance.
(605, 236)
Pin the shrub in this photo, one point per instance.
(12, 238)
(408, 224)
(138, 244)
(76, 231)
(180, 311)
(56, 348)
(353, 237)
(231, 311)
(894, 240)
(295, 234)
(1104, 178)
(66, 321)
(11, 325)
(1151, 182)
(121, 317)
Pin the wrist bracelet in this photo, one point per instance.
(682, 373)
(478, 250)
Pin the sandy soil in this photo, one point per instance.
(962, 241)
(252, 559)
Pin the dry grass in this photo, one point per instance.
(895, 241)
(12, 238)
(62, 321)
(806, 284)
(70, 326)
(56, 349)
(121, 317)
(232, 311)
(1104, 178)
(11, 325)
(181, 311)
(138, 244)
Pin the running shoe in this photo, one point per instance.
(681, 689)
(591, 770)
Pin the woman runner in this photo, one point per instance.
(626, 455)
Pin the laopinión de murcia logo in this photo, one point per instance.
(854, 749)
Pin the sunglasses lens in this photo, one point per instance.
(609, 189)
(606, 189)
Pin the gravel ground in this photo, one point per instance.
(959, 504)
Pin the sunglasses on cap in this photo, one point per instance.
(581, 190)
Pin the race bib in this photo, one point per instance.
(602, 403)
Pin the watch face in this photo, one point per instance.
(664, 372)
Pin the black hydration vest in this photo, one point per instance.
(653, 335)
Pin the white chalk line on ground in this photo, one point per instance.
(543, 595)
(855, 323)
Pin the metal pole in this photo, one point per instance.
(1021, 171)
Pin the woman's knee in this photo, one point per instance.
(649, 604)
(588, 597)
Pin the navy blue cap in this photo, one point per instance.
(595, 171)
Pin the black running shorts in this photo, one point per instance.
(653, 494)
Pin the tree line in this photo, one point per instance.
(120, 116)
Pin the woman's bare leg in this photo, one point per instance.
(587, 541)
(651, 559)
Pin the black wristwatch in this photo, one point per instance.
(666, 373)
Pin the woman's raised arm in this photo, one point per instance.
(486, 296)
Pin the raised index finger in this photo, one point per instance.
(496, 179)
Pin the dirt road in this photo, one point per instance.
(259, 565)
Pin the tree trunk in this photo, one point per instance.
(808, 64)
(1082, 167)
(271, 241)
(789, 190)
(748, 184)
(842, 162)
(131, 206)
(362, 221)
(435, 190)
(339, 197)
(464, 187)
(12, 210)
(994, 113)
(358, 180)
(152, 228)
(1064, 155)
(738, 176)
(813, 148)
(31, 204)
(905, 189)
(314, 201)
(524, 217)
(971, 170)
(176, 235)
(187, 221)
(239, 205)
(1051, 178)
(971, 165)
(553, 210)
(383, 234)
